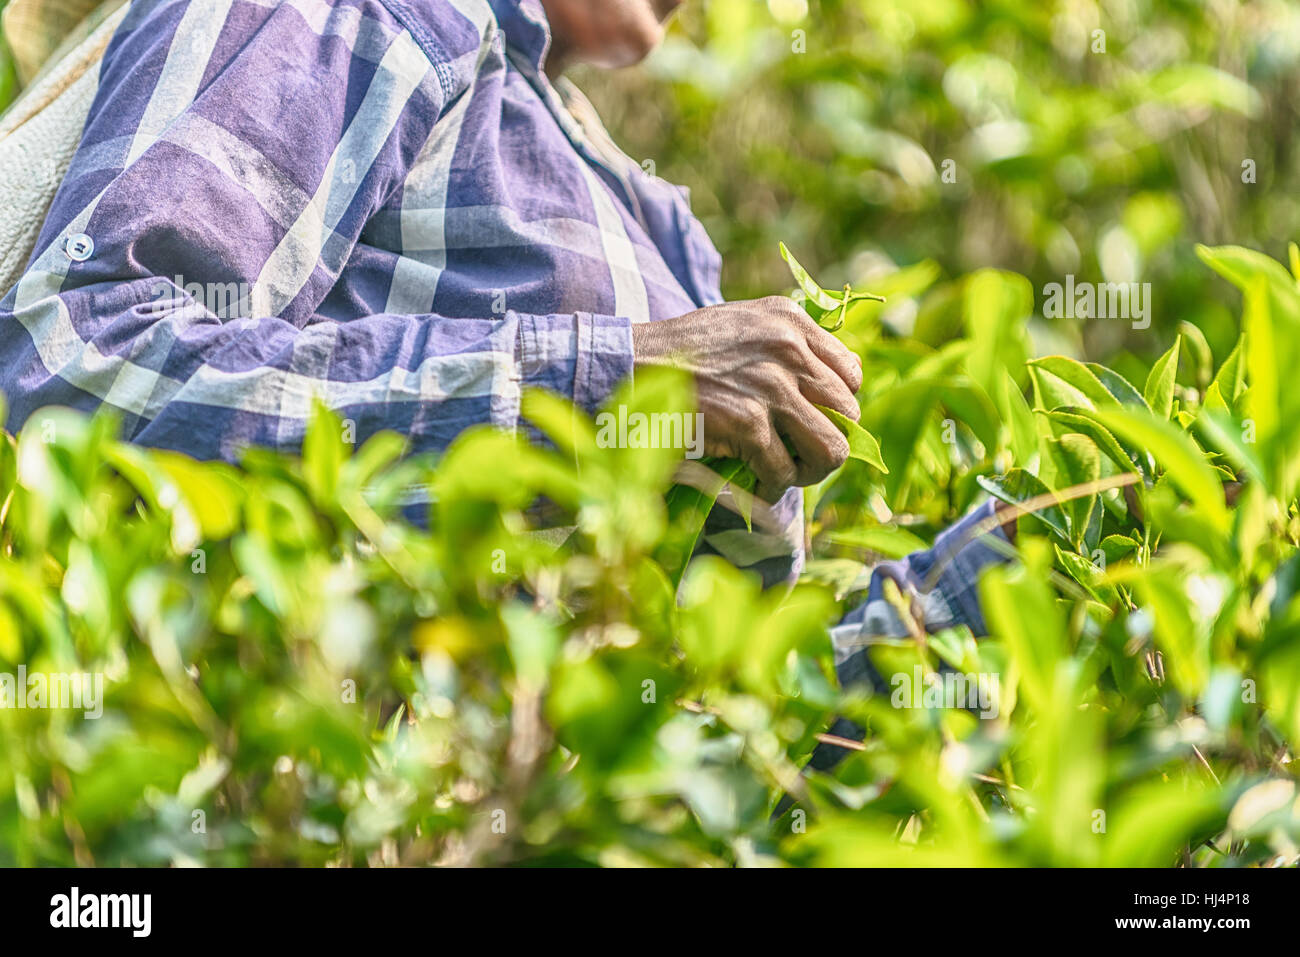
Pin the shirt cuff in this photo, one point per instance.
(583, 356)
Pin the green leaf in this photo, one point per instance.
(815, 294)
(1184, 463)
(995, 306)
(1020, 418)
(882, 539)
(1183, 640)
(1088, 575)
(1198, 348)
(969, 403)
(1241, 266)
(1152, 820)
(1231, 377)
(1080, 462)
(1018, 486)
(1081, 420)
(820, 303)
(862, 444)
(1200, 84)
(1119, 387)
(323, 452)
(1159, 388)
(899, 416)
(563, 423)
(688, 510)
(1213, 401)
(533, 641)
(1023, 611)
(1220, 432)
(1066, 381)
(211, 489)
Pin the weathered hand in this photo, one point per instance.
(761, 367)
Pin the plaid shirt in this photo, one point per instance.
(382, 203)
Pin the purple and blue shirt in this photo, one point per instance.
(383, 203)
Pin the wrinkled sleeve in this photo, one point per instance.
(241, 148)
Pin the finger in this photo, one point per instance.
(820, 445)
(772, 464)
(821, 386)
(842, 360)
(820, 382)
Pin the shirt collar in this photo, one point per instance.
(526, 29)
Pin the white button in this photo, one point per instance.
(79, 247)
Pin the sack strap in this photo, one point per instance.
(38, 136)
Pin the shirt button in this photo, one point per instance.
(79, 247)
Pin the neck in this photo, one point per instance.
(557, 59)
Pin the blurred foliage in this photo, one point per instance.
(498, 657)
(8, 68)
(828, 123)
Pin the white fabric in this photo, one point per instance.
(38, 135)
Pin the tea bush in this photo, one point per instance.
(499, 656)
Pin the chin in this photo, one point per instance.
(636, 28)
(609, 33)
(639, 45)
